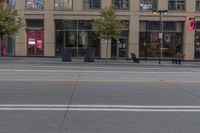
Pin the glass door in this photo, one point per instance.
(122, 47)
(119, 48)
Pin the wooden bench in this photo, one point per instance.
(178, 58)
(134, 58)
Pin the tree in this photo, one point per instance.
(10, 21)
(108, 26)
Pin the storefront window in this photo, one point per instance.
(76, 35)
(197, 41)
(63, 4)
(35, 38)
(35, 4)
(150, 42)
(148, 4)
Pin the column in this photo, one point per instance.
(49, 29)
(188, 42)
(133, 45)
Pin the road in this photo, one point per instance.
(86, 98)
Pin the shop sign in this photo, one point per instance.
(31, 41)
(192, 24)
(39, 44)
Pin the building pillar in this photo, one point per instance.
(133, 45)
(49, 35)
(20, 42)
(188, 42)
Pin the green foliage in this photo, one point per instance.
(10, 22)
(108, 25)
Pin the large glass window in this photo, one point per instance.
(91, 4)
(148, 4)
(121, 4)
(176, 4)
(10, 3)
(63, 4)
(35, 37)
(198, 5)
(150, 43)
(197, 41)
(35, 4)
(76, 35)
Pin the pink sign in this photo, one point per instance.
(39, 44)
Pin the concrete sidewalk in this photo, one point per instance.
(45, 60)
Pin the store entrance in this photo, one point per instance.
(119, 48)
(35, 43)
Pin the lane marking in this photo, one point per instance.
(90, 71)
(105, 108)
(21, 79)
(101, 106)
(100, 109)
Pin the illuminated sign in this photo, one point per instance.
(192, 25)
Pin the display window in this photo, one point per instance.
(77, 35)
(154, 44)
(35, 43)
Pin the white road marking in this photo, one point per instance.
(90, 71)
(105, 108)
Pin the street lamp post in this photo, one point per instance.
(160, 32)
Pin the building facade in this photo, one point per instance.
(51, 25)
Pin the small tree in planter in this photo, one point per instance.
(10, 22)
(108, 26)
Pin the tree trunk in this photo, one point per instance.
(1, 44)
(107, 51)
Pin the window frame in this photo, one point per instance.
(197, 5)
(60, 7)
(120, 3)
(35, 9)
(89, 2)
(11, 6)
(154, 5)
(176, 3)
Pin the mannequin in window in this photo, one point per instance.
(83, 38)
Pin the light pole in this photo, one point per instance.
(161, 31)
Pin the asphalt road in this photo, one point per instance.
(88, 98)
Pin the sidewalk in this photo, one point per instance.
(45, 60)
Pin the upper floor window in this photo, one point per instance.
(148, 4)
(91, 4)
(198, 5)
(176, 4)
(10, 3)
(121, 4)
(35, 4)
(63, 4)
